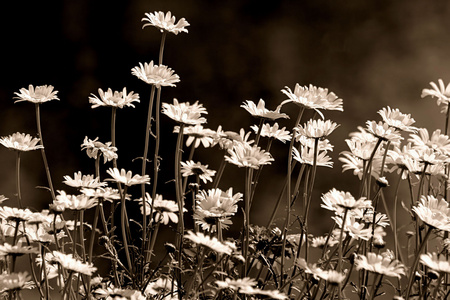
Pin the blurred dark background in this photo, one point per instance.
(370, 53)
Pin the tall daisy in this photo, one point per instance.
(114, 99)
(165, 22)
(40, 94)
(157, 75)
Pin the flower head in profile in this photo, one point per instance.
(243, 155)
(185, 113)
(441, 92)
(74, 202)
(157, 75)
(273, 132)
(165, 22)
(382, 264)
(306, 156)
(260, 110)
(68, 262)
(164, 210)
(114, 99)
(434, 212)
(197, 135)
(15, 214)
(337, 201)
(190, 168)
(312, 97)
(20, 142)
(211, 242)
(316, 129)
(94, 148)
(383, 131)
(437, 141)
(17, 250)
(228, 139)
(162, 287)
(40, 94)
(83, 181)
(394, 118)
(107, 193)
(127, 178)
(436, 262)
(15, 281)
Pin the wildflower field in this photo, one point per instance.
(182, 218)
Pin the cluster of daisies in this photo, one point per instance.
(115, 256)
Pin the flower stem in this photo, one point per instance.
(157, 142)
(113, 132)
(19, 195)
(124, 234)
(247, 196)
(44, 157)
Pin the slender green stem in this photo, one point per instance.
(219, 173)
(113, 131)
(19, 194)
(366, 170)
(438, 285)
(157, 142)
(44, 157)
(339, 262)
(124, 234)
(247, 196)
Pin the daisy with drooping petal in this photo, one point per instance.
(20, 142)
(83, 181)
(355, 229)
(94, 148)
(273, 132)
(15, 281)
(127, 178)
(260, 111)
(74, 202)
(396, 119)
(114, 99)
(228, 139)
(436, 262)
(211, 242)
(382, 264)
(157, 75)
(243, 155)
(107, 193)
(316, 129)
(184, 112)
(15, 214)
(165, 22)
(191, 168)
(437, 141)
(197, 134)
(40, 94)
(434, 212)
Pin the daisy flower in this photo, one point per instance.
(312, 98)
(94, 148)
(307, 157)
(15, 282)
(107, 193)
(396, 119)
(116, 99)
(243, 155)
(40, 94)
(354, 228)
(332, 277)
(229, 139)
(212, 243)
(434, 212)
(157, 75)
(68, 262)
(127, 178)
(436, 262)
(162, 288)
(78, 202)
(316, 129)
(236, 284)
(15, 214)
(83, 181)
(357, 164)
(189, 168)
(260, 111)
(437, 141)
(383, 131)
(184, 112)
(337, 201)
(319, 241)
(322, 144)
(20, 142)
(197, 134)
(215, 205)
(164, 210)
(16, 250)
(441, 92)
(380, 263)
(165, 22)
(273, 132)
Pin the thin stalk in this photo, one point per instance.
(438, 285)
(366, 170)
(412, 271)
(44, 157)
(19, 195)
(339, 262)
(247, 196)
(124, 234)
(113, 132)
(157, 142)
(219, 173)
(394, 221)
